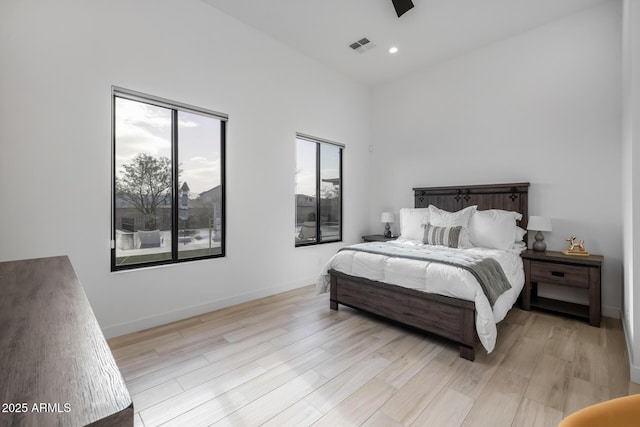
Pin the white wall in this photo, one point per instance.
(542, 107)
(59, 60)
(631, 180)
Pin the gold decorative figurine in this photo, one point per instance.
(576, 248)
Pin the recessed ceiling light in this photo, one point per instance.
(393, 49)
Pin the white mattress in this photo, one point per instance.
(439, 279)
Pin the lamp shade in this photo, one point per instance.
(539, 223)
(387, 217)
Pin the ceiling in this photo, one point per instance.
(433, 31)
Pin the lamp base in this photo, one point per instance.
(539, 245)
(387, 231)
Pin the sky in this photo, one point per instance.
(143, 128)
(306, 165)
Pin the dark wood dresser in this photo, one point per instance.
(56, 368)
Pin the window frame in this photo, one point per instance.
(175, 107)
(319, 142)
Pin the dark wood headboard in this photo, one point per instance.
(509, 197)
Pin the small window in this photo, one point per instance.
(318, 191)
(168, 181)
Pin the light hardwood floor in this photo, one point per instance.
(287, 360)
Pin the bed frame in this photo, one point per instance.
(447, 317)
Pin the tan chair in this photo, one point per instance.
(307, 231)
(620, 412)
(149, 238)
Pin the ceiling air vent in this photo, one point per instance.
(362, 45)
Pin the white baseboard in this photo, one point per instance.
(613, 312)
(184, 313)
(635, 374)
(634, 369)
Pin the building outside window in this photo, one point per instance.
(168, 181)
(318, 191)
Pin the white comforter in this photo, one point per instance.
(437, 278)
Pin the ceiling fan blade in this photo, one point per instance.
(402, 6)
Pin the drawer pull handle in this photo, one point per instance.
(557, 273)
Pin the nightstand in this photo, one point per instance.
(556, 268)
(378, 238)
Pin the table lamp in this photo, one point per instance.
(387, 217)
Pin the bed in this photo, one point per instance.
(450, 317)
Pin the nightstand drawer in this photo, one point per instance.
(560, 274)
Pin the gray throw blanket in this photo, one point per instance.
(486, 270)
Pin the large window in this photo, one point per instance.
(318, 191)
(168, 181)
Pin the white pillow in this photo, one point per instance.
(517, 248)
(412, 221)
(520, 232)
(493, 228)
(442, 218)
